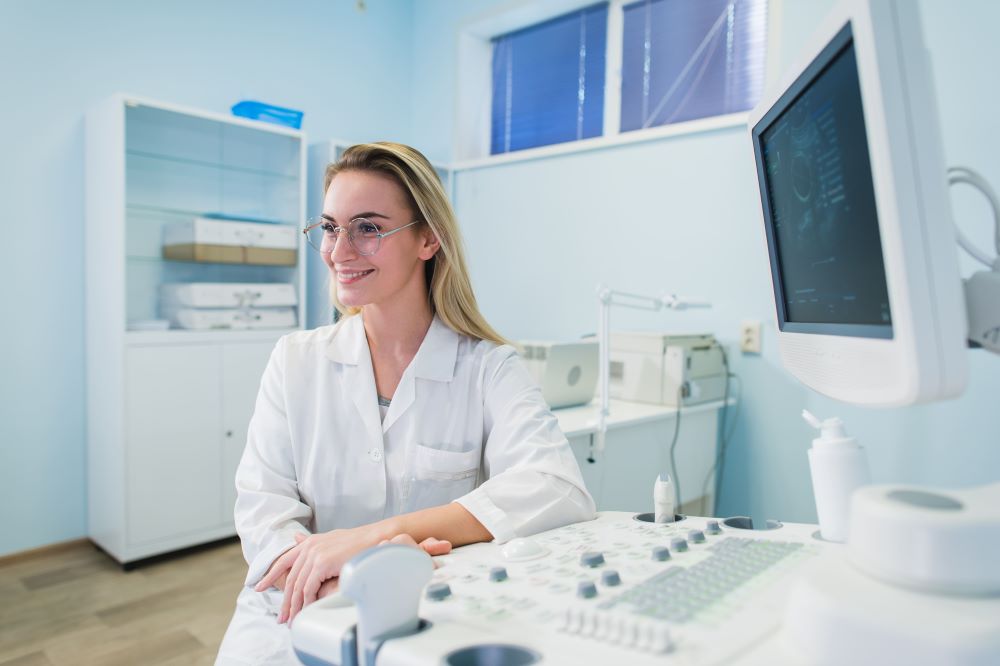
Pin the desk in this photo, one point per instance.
(637, 447)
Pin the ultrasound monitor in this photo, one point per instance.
(853, 192)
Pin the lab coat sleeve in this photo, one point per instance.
(269, 511)
(533, 480)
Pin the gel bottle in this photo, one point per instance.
(839, 466)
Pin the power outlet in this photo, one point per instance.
(750, 337)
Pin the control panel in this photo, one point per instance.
(617, 589)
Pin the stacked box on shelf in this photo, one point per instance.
(208, 239)
(234, 305)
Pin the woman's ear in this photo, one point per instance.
(430, 245)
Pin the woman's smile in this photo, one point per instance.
(350, 277)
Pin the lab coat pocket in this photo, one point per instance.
(439, 476)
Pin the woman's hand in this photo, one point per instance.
(277, 574)
(328, 587)
(431, 545)
(321, 557)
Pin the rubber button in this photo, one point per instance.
(611, 578)
(438, 591)
(585, 589)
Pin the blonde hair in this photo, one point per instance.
(448, 286)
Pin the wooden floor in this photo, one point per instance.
(76, 606)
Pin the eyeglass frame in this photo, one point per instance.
(379, 234)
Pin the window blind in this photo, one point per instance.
(548, 81)
(687, 59)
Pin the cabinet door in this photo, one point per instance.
(242, 367)
(173, 429)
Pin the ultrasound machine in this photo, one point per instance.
(870, 310)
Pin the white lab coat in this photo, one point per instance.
(467, 424)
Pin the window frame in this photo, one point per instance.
(471, 139)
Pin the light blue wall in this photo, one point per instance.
(540, 234)
(681, 215)
(349, 71)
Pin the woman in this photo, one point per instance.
(409, 420)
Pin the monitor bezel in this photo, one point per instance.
(834, 48)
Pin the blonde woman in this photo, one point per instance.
(409, 420)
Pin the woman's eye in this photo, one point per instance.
(367, 228)
(328, 228)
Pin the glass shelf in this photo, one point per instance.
(189, 213)
(212, 165)
(191, 185)
(159, 259)
(176, 335)
(179, 167)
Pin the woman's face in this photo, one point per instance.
(397, 268)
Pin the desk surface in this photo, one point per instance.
(582, 420)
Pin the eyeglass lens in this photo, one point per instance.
(362, 234)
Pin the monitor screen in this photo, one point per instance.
(819, 203)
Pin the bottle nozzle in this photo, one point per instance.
(831, 428)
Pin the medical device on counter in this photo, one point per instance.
(870, 310)
(665, 369)
(609, 591)
(566, 371)
(606, 298)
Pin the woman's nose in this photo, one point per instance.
(342, 248)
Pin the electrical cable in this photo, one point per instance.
(673, 447)
(726, 436)
(969, 177)
(720, 459)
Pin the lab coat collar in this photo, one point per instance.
(435, 359)
(348, 344)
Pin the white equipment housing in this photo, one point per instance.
(566, 371)
(664, 369)
(919, 355)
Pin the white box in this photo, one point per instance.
(666, 369)
(210, 231)
(228, 294)
(230, 242)
(201, 319)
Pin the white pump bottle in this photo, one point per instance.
(839, 466)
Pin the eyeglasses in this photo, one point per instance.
(362, 234)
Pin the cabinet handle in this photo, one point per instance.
(229, 433)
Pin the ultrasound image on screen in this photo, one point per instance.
(822, 204)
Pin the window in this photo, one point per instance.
(685, 59)
(548, 81)
(548, 73)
